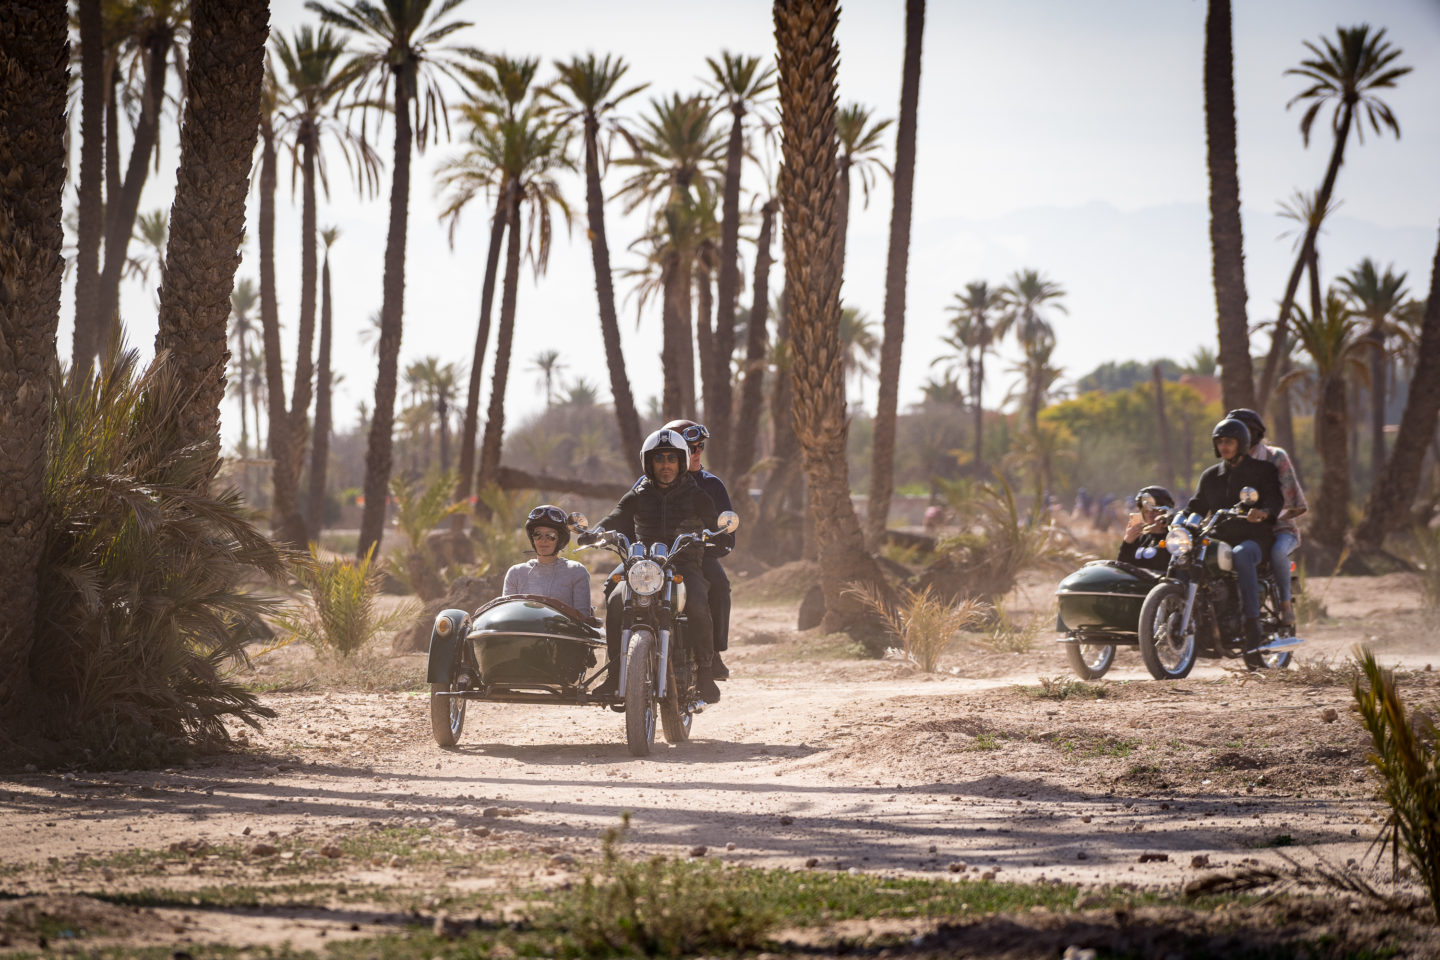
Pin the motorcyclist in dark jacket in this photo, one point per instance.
(1252, 534)
(1146, 530)
(663, 504)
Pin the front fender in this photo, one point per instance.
(442, 649)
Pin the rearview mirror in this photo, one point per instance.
(1249, 495)
(1146, 501)
(577, 522)
(729, 522)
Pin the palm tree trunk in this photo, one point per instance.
(91, 205)
(244, 371)
(320, 448)
(124, 204)
(625, 414)
(284, 502)
(1379, 366)
(978, 390)
(207, 219)
(303, 391)
(477, 363)
(685, 335)
(882, 468)
(1332, 506)
(747, 421)
(718, 411)
(1395, 486)
(710, 361)
(33, 65)
(1307, 247)
(805, 37)
(495, 418)
(379, 450)
(1227, 242)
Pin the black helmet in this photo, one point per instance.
(1231, 427)
(548, 515)
(694, 433)
(1252, 422)
(663, 439)
(1162, 497)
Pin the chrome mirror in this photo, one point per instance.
(1146, 501)
(577, 522)
(729, 522)
(1249, 495)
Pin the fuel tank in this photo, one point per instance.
(1104, 596)
(524, 642)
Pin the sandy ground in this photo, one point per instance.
(810, 761)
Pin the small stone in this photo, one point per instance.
(480, 831)
(786, 821)
(956, 867)
(1088, 901)
(1154, 857)
(988, 875)
(1082, 855)
(1078, 953)
(1200, 861)
(1086, 819)
(490, 812)
(264, 850)
(812, 862)
(562, 860)
(332, 851)
(1329, 715)
(698, 851)
(730, 845)
(933, 848)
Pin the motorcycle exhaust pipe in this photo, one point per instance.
(1279, 643)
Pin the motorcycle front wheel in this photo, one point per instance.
(640, 693)
(1090, 661)
(1168, 654)
(675, 720)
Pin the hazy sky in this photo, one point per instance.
(1056, 135)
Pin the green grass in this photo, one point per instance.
(1065, 688)
(986, 741)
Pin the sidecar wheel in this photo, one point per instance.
(675, 721)
(447, 714)
(640, 694)
(1167, 654)
(1090, 661)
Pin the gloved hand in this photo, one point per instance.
(588, 537)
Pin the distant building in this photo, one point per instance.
(1208, 387)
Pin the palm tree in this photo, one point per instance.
(242, 301)
(1227, 246)
(549, 364)
(740, 83)
(1395, 486)
(403, 55)
(312, 82)
(897, 266)
(153, 231)
(973, 330)
(529, 150)
(1375, 298)
(90, 202)
(1028, 298)
(747, 419)
(503, 83)
(320, 449)
(861, 139)
(207, 220)
(807, 55)
(589, 91)
(858, 347)
(1347, 74)
(32, 153)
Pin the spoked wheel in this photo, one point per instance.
(447, 714)
(640, 693)
(675, 720)
(1090, 661)
(1168, 653)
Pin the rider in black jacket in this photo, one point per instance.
(663, 504)
(1251, 534)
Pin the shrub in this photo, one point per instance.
(421, 508)
(1008, 634)
(497, 538)
(144, 602)
(924, 624)
(338, 613)
(1408, 761)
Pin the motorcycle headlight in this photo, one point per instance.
(645, 577)
(1177, 541)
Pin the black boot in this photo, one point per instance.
(718, 668)
(705, 683)
(1253, 638)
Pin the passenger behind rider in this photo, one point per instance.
(1251, 534)
(1287, 534)
(716, 581)
(1145, 530)
(664, 503)
(549, 574)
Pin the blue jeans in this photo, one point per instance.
(1285, 544)
(1247, 557)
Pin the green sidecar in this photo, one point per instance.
(515, 649)
(1099, 611)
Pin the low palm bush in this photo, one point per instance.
(339, 612)
(1406, 756)
(924, 623)
(1008, 633)
(496, 531)
(421, 508)
(146, 595)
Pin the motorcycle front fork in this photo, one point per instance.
(1189, 607)
(662, 666)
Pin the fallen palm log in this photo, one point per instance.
(511, 479)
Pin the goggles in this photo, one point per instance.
(553, 514)
(696, 435)
(545, 534)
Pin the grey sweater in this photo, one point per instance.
(565, 580)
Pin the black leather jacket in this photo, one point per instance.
(651, 514)
(1219, 488)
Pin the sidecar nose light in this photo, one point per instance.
(443, 626)
(1177, 541)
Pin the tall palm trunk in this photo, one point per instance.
(978, 390)
(685, 335)
(727, 289)
(1332, 506)
(32, 155)
(122, 205)
(244, 372)
(1395, 485)
(303, 391)
(1227, 242)
(463, 484)
(91, 205)
(320, 446)
(710, 361)
(495, 417)
(805, 38)
(1307, 247)
(284, 503)
(207, 219)
(379, 450)
(747, 420)
(625, 414)
(1379, 369)
(882, 464)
